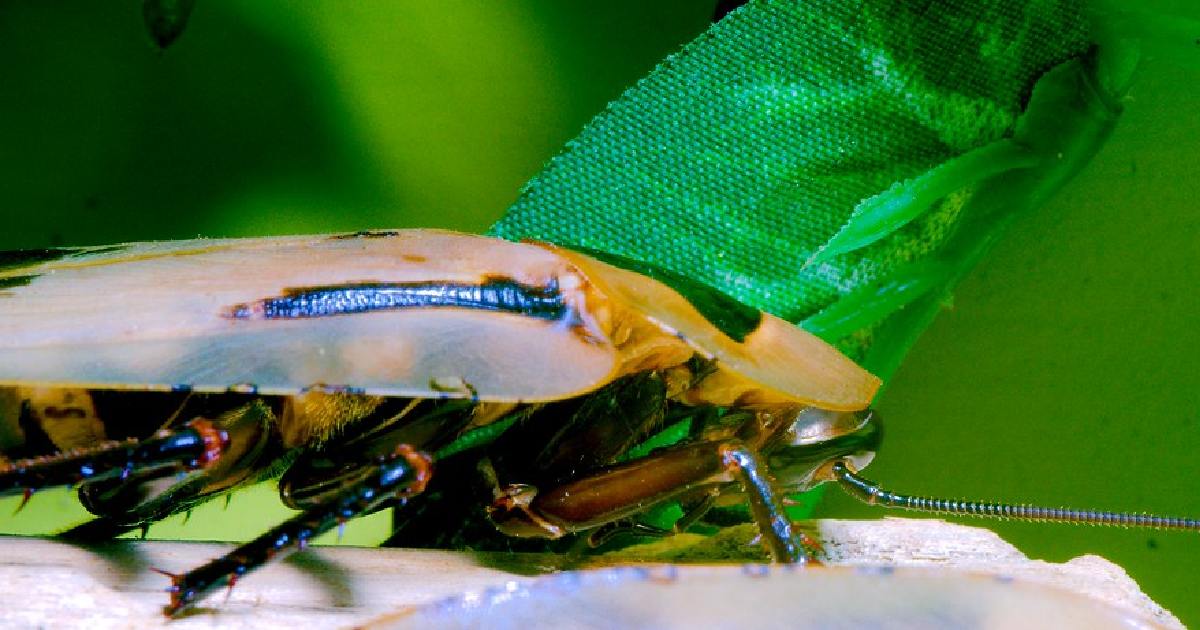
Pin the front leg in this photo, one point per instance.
(627, 489)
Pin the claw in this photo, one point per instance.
(25, 497)
(233, 578)
(175, 578)
(811, 545)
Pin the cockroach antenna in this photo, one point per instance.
(842, 471)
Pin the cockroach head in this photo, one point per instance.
(820, 436)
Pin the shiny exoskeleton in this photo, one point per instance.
(555, 469)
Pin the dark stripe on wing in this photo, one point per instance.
(27, 257)
(13, 282)
(366, 234)
(17, 259)
(500, 295)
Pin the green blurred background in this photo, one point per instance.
(1065, 373)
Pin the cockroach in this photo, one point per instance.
(357, 366)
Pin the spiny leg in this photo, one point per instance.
(780, 538)
(144, 495)
(195, 445)
(395, 477)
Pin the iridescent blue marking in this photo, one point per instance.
(327, 301)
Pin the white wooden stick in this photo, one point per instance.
(45, 583)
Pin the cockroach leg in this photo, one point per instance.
(690, 517)
(604, 534)
(391, 478)
(146, 495)
(194, 446)
(779, 536)
(627, 489)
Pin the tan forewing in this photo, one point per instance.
(156, 315)
(776, 363)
